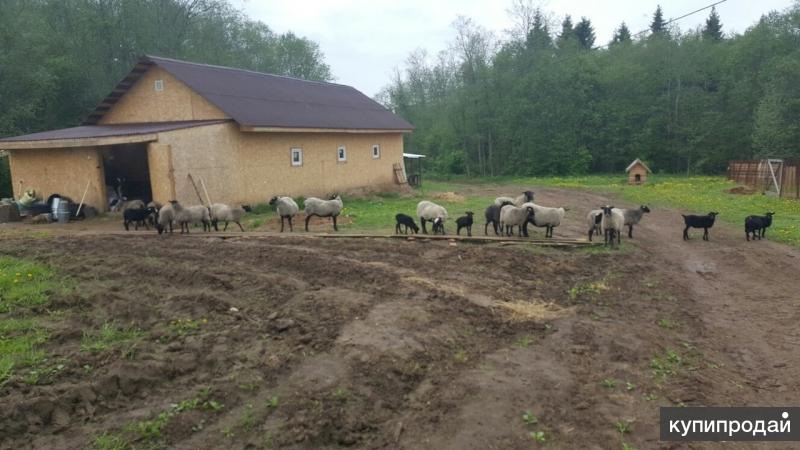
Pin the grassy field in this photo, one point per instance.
(698, 194)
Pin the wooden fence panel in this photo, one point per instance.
(756, 174)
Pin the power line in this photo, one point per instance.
(672, 20)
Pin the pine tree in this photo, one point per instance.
(585, 33)
(713, 28)
(539, 36)
(567, 29)
(657, 26)
(622, 35)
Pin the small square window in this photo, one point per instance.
(341, 154)
(297, 156)
(159, 85)
(376, 151)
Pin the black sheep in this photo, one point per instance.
(407, 222)
(137, 217)
(704, 222)
(757, 225)
(438, 226)
(465, 222)
(492, 215)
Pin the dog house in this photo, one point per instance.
(637, 172)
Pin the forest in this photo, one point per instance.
(549, 99)
(59, 58)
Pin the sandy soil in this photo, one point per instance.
(393, 344)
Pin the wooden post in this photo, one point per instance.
(83, 197)
(203, 184)
(196, 191)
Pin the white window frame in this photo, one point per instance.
(158, 85)
(341, 153)
(376, 151)
(299, 152)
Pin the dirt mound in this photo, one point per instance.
(742, 190)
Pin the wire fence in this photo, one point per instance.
(758, 175)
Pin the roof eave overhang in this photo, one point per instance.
(78, 142)
(261, 129)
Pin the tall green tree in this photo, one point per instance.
(584, 32)
(713, 28)
(658, 26)
(622, 35)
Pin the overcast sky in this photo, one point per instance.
(364, 40)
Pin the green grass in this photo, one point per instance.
(23, 285)
(106, 337)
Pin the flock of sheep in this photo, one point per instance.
(504, 214)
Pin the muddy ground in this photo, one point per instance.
(370, 343)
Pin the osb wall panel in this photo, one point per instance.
(142, 103)
(159, 161)
(61, 171)
(242, 167)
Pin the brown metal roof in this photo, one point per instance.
(262, 100)
(99, 131)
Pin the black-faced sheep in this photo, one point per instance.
(492, 215)
(633, 217)
(431, 212)
(512, 216)
(323, 208)
(166, 217)
(465, 221)
(704, 222)
(757, 225)
(546, 217)
(525, 197)
(407, 222)
(140, 216)
(593, 221)
(612, 221)
(286, 208)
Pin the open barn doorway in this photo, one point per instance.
(127, 173)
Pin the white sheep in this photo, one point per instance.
(431, 212)
(190, 215)
(512, 216)
(593, 221)
(547, 217)
(286, 207)
(166, 217)
(220, 212)
(612, 222)
(323, 208)
(525, 197)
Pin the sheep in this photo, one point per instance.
(633, 217)
(431, 212)
(547, 217)
(465, 222)
(166, 216)
(512, 216)
(407, 222)
(525, 197)
(138, 217)
(704, 222)
(185, 216)
(324, 208)
(611, 223)
(492, 215)
(593, 220)
(219, 212)
(286, 207)
(757, 225)
(156, 207)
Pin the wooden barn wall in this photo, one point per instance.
(159, 162)
(59, 171)
(142, 103)
(243, 167)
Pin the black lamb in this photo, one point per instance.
(405, 221)
(492, 215)
(704, 222)
(465, 222)
(138, 217)
(757, 225)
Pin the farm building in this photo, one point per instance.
(244, 135)
(637, 172)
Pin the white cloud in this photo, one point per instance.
(365, 40)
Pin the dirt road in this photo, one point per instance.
(395, 344)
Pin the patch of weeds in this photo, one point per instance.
(525, 341)
(247, 421)
(629, 386)
(538, 436)
(228, 432)
(339, 394)
(268, 440)
(589, 288)
(25, 284)
(626, 446)
(651, 397)
(609, 383)
(666, 365)
(150, 429)
(255, 224)
(273, 401)
(623, 427)
(529, 418)
(461, 356)
(109, 441)
(20, 349)
(667, 324)
(43, 374)
(183, 327)
(106, 337)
